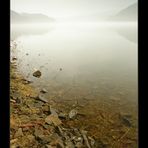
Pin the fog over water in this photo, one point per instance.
(100, 58)
(89, 47)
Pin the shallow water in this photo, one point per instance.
(97, 60)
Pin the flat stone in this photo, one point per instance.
(53, 119)
(44, 90)
(41, 98)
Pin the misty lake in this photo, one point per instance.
(93, 60)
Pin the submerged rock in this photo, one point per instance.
(37, 74)
(126, 120)
(72, 113)
(41, 98)
(44, 90)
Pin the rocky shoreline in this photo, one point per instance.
(37, 122)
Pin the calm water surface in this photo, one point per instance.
(86, 59)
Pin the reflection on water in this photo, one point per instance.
(129, 33)
(29, 29)
(94, 59)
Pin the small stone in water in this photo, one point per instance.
(72, 113)
(41, 98)
(37, 74)
(44, 90)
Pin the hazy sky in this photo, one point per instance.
(66, 8)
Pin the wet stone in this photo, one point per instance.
(42, 98)
(44, 90)
(73, 113)
(37, 74)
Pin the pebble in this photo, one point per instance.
(72, 113)
(37, 74)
